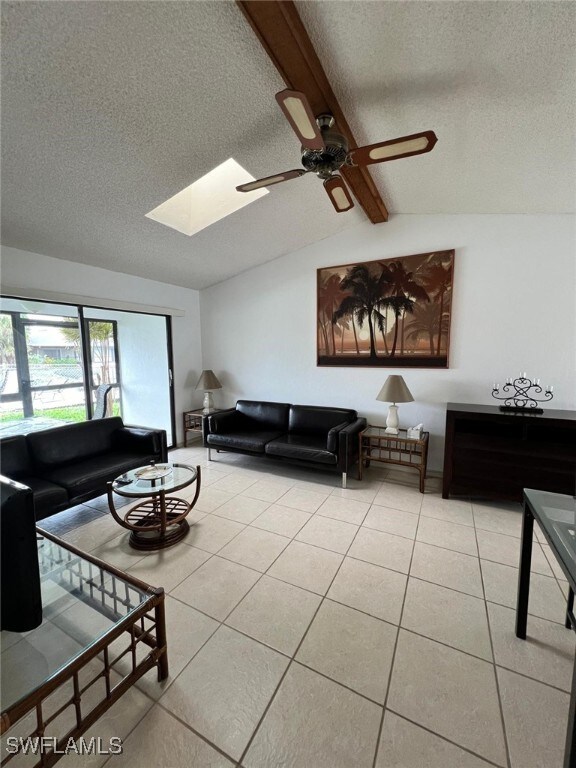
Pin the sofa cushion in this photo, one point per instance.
(14, 457)
(305, 447)
(62, 445)
(263, 415)
(243, 441)
(316, 420)
(47, 495)
(91, 475)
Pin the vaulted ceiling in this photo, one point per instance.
(109, 108)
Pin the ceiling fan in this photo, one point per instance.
(325, 150)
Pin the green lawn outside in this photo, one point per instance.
(64, 413)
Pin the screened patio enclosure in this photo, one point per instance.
(55, 357)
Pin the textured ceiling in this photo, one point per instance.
(109, 108)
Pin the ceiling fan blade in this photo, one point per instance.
(405, 146)
(268, 181)
(299, 114)
(338, 194)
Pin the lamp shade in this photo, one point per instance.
(208, 381)
(395, 391)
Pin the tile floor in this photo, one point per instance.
(315, 627)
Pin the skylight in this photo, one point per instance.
(209, 199)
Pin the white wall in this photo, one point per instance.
(514, 309)
(32, 271)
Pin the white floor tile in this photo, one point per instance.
(303, 499)
(210, 499)
(315, 723)
(328, 533)
(383, 549)
(275, 613)
(224, 690)
(506, 519)
(536, 717)
(346, 509)
(216, 587)
(351, 648)
(460, 538)
(255, 548)
(448, 692)
(447, 568)
(212, 533)
(451, 510)
(547, 654)
(306, 566)
(506, 550)
(162, 740)
(391, 521)
(501, 586)
(281, 520)
(405, 497)
(447, 616)
(369, 588)
(168, 567)
(405, 745)
(241, 509)
(266, 491)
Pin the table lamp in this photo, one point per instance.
(208, 382)
(394, 391)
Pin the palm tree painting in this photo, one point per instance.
(390, 313)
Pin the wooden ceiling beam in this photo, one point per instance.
(279, 28)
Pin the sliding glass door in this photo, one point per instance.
(141, 365)
(61, 363)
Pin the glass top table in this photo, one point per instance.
(150, 480)
(555, 514)
(158, 520)
(101, 631)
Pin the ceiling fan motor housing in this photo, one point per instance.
(325, 161)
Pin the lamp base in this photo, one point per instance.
(208, 404)
(392, 422)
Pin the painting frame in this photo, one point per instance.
(393, 312)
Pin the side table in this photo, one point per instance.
(193, 421)
(158, 520)
(378, 445)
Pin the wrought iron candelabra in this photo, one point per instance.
(521, 394)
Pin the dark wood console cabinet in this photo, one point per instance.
(493, 454)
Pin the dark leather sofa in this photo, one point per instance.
(67, 465)
(316, 436)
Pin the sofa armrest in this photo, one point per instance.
(332, 440)
(21, 599)
(225, 421)
(349, 444)
(142, 441)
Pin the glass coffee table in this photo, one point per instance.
(101, 631)
(555, 513)
(158, 520)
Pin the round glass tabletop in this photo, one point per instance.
(150, 480)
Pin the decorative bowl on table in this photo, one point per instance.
(153, 472)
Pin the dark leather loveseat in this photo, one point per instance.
(67, 465)
(325, 438)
